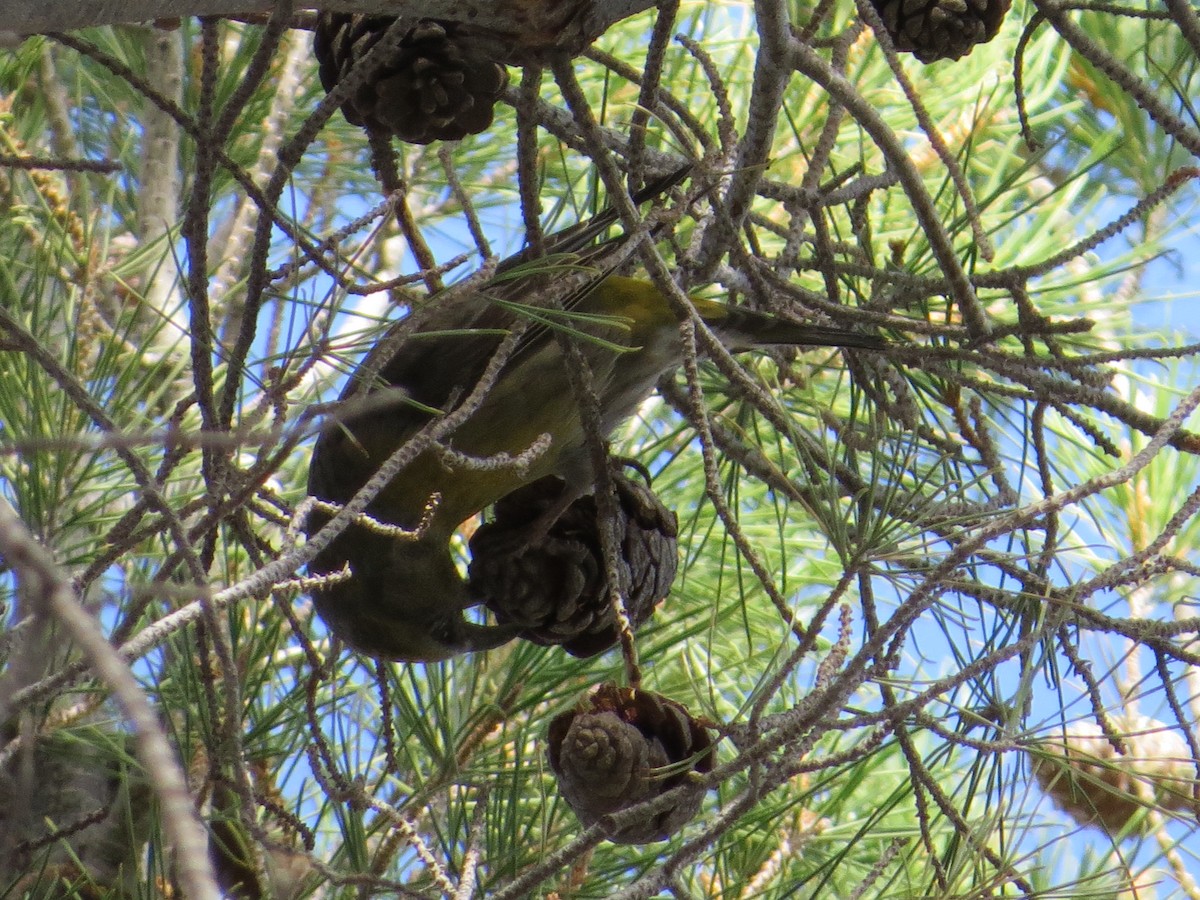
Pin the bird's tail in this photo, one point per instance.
(742, 329)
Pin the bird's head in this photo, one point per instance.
(403, 601)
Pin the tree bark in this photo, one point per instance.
(545, 25)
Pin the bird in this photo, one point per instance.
(404, 598)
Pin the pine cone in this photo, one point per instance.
(433, 88)
(611, 756)
(556, 587)
(1086, 777)
(941, 29)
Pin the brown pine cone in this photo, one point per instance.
(611, 755)
(434, 87)
(1086, 777)
(941, 29)
(556, 586)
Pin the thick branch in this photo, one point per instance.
(528, 27)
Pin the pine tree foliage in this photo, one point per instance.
(903, 575)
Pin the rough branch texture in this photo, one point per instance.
(547, 23)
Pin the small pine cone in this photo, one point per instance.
(556, 586)
(941, 29)
(612, 755)
(1094, 785)
(434, 87)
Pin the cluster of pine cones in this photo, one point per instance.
(610, 753)
(436, 85)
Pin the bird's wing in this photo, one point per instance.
(436, 355)
(442, 348)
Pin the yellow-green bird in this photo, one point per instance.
(405, 599)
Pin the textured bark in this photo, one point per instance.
(531, 25)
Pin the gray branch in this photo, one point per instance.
(589, 18)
